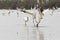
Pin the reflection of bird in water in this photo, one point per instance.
(26, 20)
(41, 35)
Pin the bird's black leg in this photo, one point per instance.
(37, 25)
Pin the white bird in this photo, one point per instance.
(17, 14)
(37, 15)
(26, 20)
(9, 13)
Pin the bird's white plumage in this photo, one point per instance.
(25, 18)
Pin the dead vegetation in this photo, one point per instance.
(12, 4)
